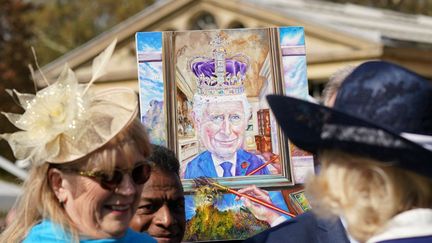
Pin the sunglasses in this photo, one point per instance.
(139, 174)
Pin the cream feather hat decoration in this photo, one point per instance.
(67, 120)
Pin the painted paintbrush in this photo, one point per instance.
(263, 165)
(202, 181)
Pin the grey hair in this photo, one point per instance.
(335, 81)
(199, 101)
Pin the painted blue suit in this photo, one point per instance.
(246, 162)
(203, 165)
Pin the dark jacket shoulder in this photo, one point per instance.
(304, 228)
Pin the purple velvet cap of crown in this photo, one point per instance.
(207, 68)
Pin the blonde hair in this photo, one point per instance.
(38, 200)
(366, 192)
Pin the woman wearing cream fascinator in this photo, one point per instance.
(88, 161)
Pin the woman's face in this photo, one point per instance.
(98, 212)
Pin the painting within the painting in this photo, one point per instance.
(223, 77)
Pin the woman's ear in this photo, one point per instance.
(56, 182)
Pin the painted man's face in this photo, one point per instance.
(222, 127)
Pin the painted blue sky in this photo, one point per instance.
(295, 76)
(151, 83)
(149, 41)
(292, 36)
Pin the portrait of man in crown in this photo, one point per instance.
(221, 112)
(224, 74)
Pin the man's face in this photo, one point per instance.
(222, 127)
(161, 211)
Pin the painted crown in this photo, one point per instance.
(219, 75)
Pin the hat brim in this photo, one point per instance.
(314, 127)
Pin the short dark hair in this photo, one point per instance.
(164, 159)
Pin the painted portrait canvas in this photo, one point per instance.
(207, 89)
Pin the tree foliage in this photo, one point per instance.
(52, 27)
(15, 55)
(61, 25)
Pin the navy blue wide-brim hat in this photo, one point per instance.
(382, 111)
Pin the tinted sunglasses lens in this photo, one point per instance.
(141, 174)
(111, 182)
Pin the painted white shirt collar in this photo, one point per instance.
(217, 162)
(411, 223)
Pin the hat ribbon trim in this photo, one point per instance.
(357, 134)
(424, 140)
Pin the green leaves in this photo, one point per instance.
(62, 25)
